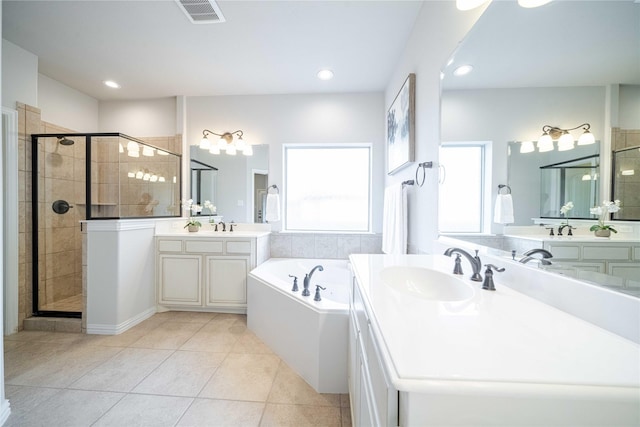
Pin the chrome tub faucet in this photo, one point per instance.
(307, 280)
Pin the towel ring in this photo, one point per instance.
(275, 187)
(501, 186)
(422, 165)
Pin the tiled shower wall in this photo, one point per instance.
(628, 186)
(60, 260)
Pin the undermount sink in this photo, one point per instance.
(426, 283)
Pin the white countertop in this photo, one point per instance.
(574, 239)
(210, 234)
(501, 341)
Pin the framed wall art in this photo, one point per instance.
(401, 127)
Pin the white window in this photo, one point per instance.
(327, 188)
(461, 204)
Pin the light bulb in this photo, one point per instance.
(205, 144)
(162, 153)
(231, 150)
(133, 153)
(214, 149)
(527, 147)
(586, 138)
(147, 151)
(240, 144)
(146, 177)
(120, 148)
(222, 144)
(132, 146)
(131, 174)
(139, 175)
(248, 150)
(586, 177)
(154, 178)
(628, 172)
(161, 179)
(565, 142)
(545, 143)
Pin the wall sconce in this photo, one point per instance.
(227, 142)
(565, 139)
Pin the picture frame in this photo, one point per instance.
(401, 127)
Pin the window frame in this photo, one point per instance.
(485, 184)
(358, 145)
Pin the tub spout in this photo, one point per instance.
(307, 280)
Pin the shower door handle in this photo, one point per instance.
(61, 207)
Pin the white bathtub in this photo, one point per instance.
(310, 336)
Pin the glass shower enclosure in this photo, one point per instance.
(93, 176)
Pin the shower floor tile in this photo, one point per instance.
(147, 377)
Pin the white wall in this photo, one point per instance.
(438, 30)
(518, 115)
(61, 105)
(140, 118)
(279, 119)
(19, 76)
(629, 110)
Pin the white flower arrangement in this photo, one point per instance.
(193, 209)
(602, 211)
(564, 210)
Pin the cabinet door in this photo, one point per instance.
(226, 281)
(180, 280)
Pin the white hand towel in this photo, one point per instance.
(272, 208)
(394, 220)
(503, 211)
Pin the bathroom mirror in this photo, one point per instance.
(236, 185)
(535, 67)
(552, 178)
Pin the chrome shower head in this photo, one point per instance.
(64, 141)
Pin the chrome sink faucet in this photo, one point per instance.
(307, 280)
(475, 262)
(561, 227)
(527, 256)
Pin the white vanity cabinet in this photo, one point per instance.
(374, 401)
(617, 258)
(207, 272)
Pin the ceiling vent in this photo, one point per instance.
(201, 11)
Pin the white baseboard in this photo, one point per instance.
(5, 411)
(101, 329)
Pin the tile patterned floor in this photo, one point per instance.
(174, 369)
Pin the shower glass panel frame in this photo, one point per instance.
(575, 180)
(90, 176)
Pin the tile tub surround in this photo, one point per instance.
(323, 245)
(174, 369)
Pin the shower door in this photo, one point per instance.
(58, 192)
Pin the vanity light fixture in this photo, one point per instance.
(133, 149)
(231, 142)
(565, 139)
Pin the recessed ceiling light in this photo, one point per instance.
(532, 3)
(111, 84)
(325, 74)
(462, 70)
